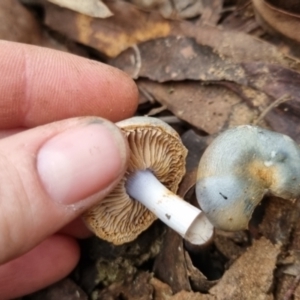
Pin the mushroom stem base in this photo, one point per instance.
(176, 213)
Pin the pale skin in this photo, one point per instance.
(48, 178)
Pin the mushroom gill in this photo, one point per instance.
(156, 147)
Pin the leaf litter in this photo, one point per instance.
(203, 66)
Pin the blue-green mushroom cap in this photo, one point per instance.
(239, 167)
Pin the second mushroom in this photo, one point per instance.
(239, 167)
(147, 191)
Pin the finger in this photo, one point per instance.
(8, 132)
(51, 174)
(49, 262)
(40, 85)
(76, 229)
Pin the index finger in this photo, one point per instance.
(40, 85)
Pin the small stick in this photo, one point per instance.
(282, 99)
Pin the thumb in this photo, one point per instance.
(50, 174)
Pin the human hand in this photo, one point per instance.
(51, 173)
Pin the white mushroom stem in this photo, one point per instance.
(176, 213)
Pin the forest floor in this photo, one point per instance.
(202, 66)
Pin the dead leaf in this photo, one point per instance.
(276, 81)
(185, 295)
(196, 145)
(18, 24)
(237, 46)
(283, 287)
(112, 35)
(288, 225)
(253, 271)
(92, 8)
(228, 247)
(177, 58)
(279, 17)
(295, 289)
(295, 244)
(198, 281)
(279, 220)
(209, 108)
(181, 58)
(169, 265)
(161, 290)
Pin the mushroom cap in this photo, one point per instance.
(153, 145)
(239, 167)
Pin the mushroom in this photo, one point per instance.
(147, 191)
(239, 167)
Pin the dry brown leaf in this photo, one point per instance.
(127, 27)
(296, 292)
(18, 24)
(280, 17)
(210, 108)
(161, 290)
(177, 58)
(237, 46)
(92, 8)
(276, 82)
(285, 285)
(290, 267)
(295, 244)
(198, 281)
(196, 145)
(279, 220)
(227, 246)
(170, 266)
(251, 275)
(181, 58)
(130, 26)
(185, 295)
